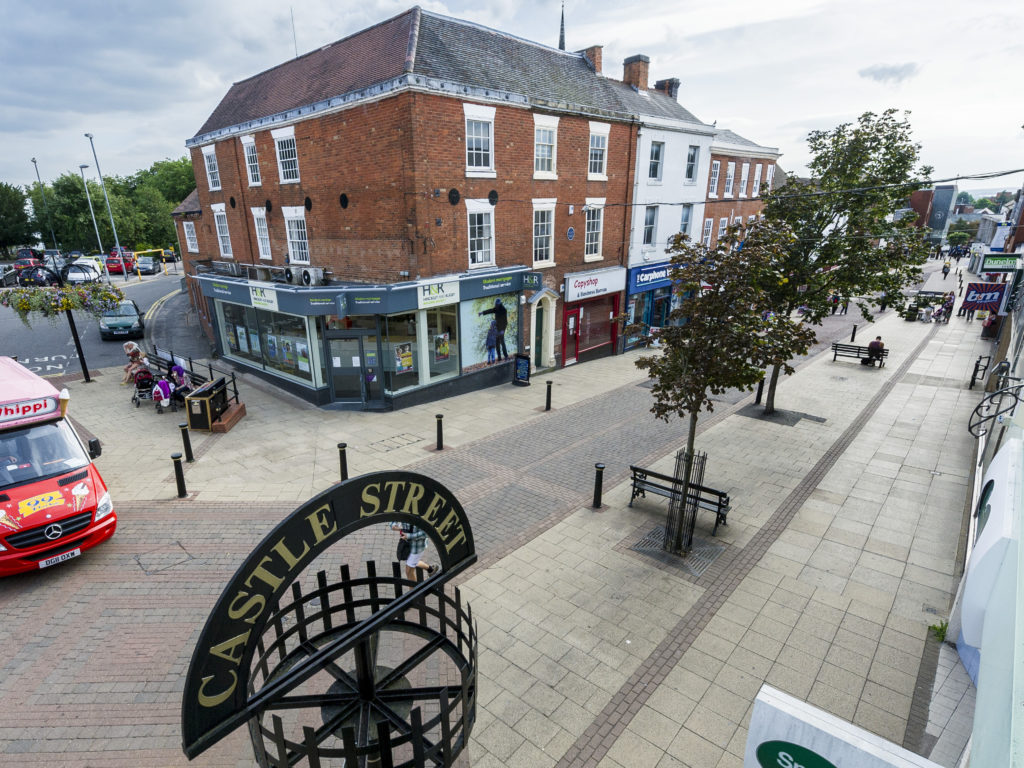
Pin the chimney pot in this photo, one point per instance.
(634, 71)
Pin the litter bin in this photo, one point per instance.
(205, 404)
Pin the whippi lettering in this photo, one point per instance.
(27, 408)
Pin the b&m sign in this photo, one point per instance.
(984, 296)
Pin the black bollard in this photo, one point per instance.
(179, 475)
(961, 290)
(186, 442)
(547, 400)
(343, 459)
(760, 390)
(854, 334)
(598, 477)
(440, 432)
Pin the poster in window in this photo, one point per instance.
(442, 348)
(475, 318)
(271, 347)
(254, 342)
(232, 339)
(243, 339)
(288, 357)
(302, 352)
(403, 358)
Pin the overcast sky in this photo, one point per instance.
(143, 76)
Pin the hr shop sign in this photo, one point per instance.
(437, 294)
(586, 285)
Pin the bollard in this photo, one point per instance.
(547, 400)
(440, 432)
(598, 477)
(854, 334)
(343, 459)
(961, 290)
(179, 475)
(760, 390)
(186, 442)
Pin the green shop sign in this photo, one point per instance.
(1000, 264)
(782, 754)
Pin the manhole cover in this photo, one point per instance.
(700, 557)
(161, 559)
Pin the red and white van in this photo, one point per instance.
(53, 503)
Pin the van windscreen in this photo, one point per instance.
(39, 451)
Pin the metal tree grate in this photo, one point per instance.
(702, 553)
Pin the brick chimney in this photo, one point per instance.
(669, 87)
(593, 54)
(634, 71)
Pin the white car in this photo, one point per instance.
(82, 270)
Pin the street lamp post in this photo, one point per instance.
(42, 191)
(91, 213)
(117, 243)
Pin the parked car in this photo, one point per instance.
(29, 253)
(170, 256)
(116, 266)
(81, 271)
(36, 276)
(8, 275)
(147, 265)
(124, 252)
(72, 255)
(25, 263)
(124, 320)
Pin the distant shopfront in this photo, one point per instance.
(592, 301)
(373, 347)
(648, 301)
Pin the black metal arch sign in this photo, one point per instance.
(216, 699)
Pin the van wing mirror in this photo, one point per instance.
(95, 449)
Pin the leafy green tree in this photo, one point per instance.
(970, 227)
(964, 198)
(15, 229)
(957, 238)
(722, 335)
(845, 240)
(173, 178)
(985, 202)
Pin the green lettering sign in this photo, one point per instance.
(782, 754)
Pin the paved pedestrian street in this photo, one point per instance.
(596, 649)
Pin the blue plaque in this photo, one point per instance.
(571, 233)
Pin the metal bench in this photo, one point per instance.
(646, 480)
(861, 353)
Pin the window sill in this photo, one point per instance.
(654, 182)
(215, 189)
(713, 194)
(597, 177)
(545, 175)
(227, 256)
(595, 257)
(544, 264)
(189, 250)
(266, 258)
(477, 174)
(482, 265)
(257, 184)
(289, 181)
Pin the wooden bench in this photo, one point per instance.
(855, 350)
(709, 499)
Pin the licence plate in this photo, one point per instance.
(59, 558)
(120, 330)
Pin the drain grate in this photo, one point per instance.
(701, 556)
(395, 442)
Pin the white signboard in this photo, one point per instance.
(437, 293)
(786, 732)
(587, 285)
(263, 297)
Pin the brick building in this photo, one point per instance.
(740, 172)
(366, 210)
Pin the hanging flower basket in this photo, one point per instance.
(94, 298)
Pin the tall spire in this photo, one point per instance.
(561, 33)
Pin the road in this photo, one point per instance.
(48, 349)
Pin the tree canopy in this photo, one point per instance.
(141, 205)
(845, 239)
(15, 229)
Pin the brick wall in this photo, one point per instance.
(733, 205)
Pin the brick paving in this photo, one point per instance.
(590, 653)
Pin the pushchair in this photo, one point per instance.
(144, 383)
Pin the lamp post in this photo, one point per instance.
(91, 213)
(42, 191)
(117, 243)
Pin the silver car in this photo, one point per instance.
(81, 271)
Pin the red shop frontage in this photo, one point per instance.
(592, 302)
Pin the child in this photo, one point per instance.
(492, 342)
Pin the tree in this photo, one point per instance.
(721, 336)
(970, 227)
(964, 198)
(845, 239)
(957, 238)
(14, 223)
(174, 179)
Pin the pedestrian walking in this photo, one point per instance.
(845, 305)
(834, 301)
(417, 546)
(970, 315)
(945, 270)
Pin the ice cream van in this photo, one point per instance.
(53, 503)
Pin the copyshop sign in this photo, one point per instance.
(586, 285)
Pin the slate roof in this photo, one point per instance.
(437, 52)
(189, 205)
(725, 136)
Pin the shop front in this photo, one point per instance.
(648, 301)
(589, 327)
(372, 347)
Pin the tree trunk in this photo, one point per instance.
(769, 403)
(691, 438)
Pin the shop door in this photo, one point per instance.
(538, 338)
(571, 336)
(355, 371)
